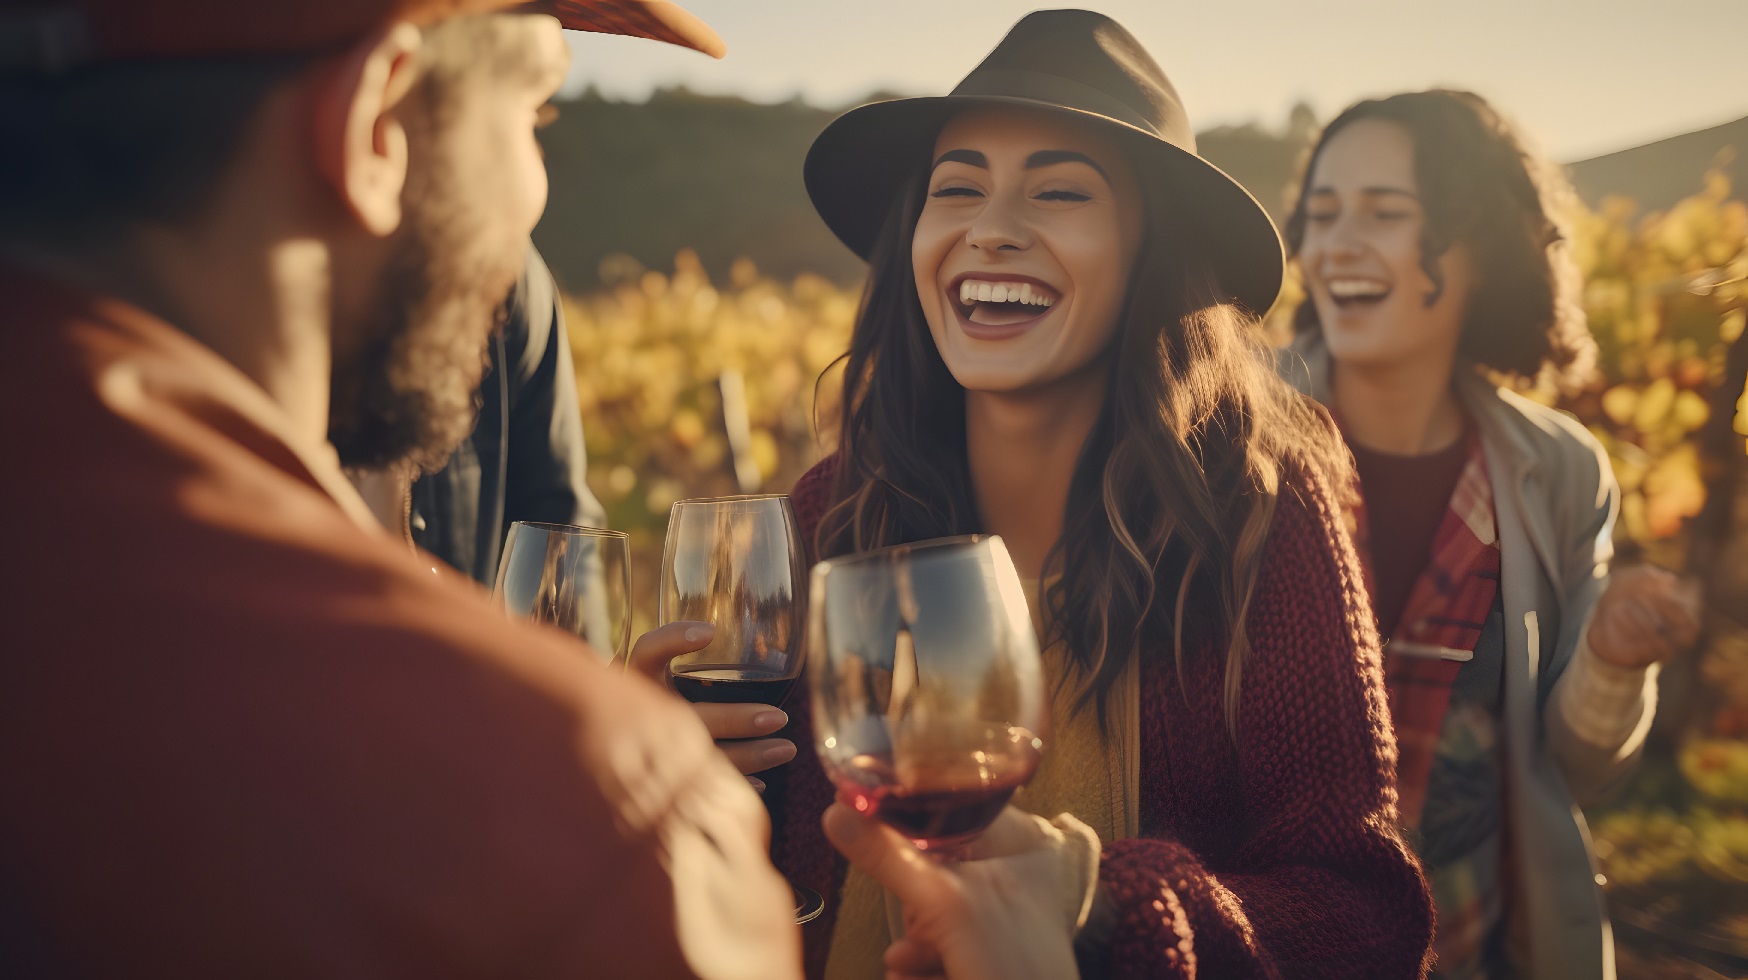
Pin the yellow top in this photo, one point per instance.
(1083, 772)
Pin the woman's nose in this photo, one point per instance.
(998, 226)
(1342, 241)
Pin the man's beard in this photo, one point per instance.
(408, 395)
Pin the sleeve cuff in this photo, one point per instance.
(1603, 705)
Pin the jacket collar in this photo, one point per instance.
(170, 367)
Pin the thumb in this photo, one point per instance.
(652, 651)
(886, 856)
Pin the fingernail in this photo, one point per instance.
(699, 632)
(780, 753)
(757, 784)
(770, 721)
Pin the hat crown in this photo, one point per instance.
(1083, 60)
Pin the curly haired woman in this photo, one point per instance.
(1521, 676)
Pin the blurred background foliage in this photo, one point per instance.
(1666, 293)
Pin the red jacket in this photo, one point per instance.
(245, 733)
(1278, 857)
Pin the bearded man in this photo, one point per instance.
(243, 731)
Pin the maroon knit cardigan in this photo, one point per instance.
(1275, 857)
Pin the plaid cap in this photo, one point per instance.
(39, 36)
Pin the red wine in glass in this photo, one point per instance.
(942, 803)
(928, 690)
(731, 684)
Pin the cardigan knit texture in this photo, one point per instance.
(1277, 856)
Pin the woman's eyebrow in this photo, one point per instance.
(1380, 190)
(1050, 158)
(969, 157)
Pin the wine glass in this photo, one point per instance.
(928, 691)
(736, 562)
(576, 578)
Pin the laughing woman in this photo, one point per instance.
(1520, 676)
(1056, 345)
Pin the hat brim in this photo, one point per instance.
(858, 166)
(658, 20)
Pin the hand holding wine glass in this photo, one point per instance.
(740, 729)
(1010, 910)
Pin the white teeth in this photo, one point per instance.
(1355, 288)
(972, 291)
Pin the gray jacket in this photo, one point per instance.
(1555, 499)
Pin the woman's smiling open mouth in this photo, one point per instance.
(999, 303)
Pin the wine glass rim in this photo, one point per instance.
(732, 499)
(927, 544)
(579, 530)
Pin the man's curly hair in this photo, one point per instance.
(1482, 187)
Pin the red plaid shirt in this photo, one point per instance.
(1439, 626)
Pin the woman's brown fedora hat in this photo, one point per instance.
(1066, 61)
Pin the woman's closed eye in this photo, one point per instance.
(1063, 195)
(959, 191)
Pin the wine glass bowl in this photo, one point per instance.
(575, 578)
(736, 563)
(928, 692)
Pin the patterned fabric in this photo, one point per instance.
(1440, 625)
(1229, 877)
(1443, 685)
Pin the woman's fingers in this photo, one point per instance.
(891, 860)
(737, 728)
(906, 958)
(740, 720)
(758, 755)
(653, 650)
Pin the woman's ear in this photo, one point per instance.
(361, 146)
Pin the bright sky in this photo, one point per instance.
(1584, 76)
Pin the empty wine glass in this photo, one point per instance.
(928, 692)
(736, 562)
(576, 578)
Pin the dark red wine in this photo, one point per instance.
(940, 805)
(721, 684)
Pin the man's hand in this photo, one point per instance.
(736, 727)
(1646, 616)
(1010, 913)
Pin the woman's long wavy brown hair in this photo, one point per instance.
(1173, 494)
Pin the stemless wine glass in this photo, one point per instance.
(576, 578)
(736, 562)
(928, 691)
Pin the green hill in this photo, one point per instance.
(1658, 174)
(723, 176)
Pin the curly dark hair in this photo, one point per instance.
(1483, 188)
